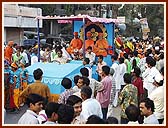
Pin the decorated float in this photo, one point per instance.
(81, 24)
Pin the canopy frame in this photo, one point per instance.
(72, 17)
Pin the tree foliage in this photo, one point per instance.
(153, 12)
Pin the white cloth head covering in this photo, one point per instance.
(158, 78)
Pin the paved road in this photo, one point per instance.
(12, 118)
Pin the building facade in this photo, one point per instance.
(15, 19)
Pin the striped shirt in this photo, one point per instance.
(113, 90)
(64, 96)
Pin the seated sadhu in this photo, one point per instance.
(75, 44)
(89, 41)
(101, 46)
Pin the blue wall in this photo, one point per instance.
(109, 28)
(77, 26)
(110, 37)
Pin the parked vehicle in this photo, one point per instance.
(29, 42)
(32, 38)
(54, 41)
(33, 35)
(66, 37)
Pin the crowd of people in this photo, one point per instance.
(134, 82)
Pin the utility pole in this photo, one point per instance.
(100, 10)
(74, 9)
(108, 11)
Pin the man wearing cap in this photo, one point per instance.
(157, 96)
(101, 46)
(9, 51)
(75, 45)
(150, 73)
(89, 41)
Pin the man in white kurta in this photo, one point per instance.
(29, 117)
(150, 73)
(35, 104)
(148, 76)
(89, 106)
(151, 119)
(157, 96)
(91, 55)
(122, 69)
(115, 66)
(25, 57)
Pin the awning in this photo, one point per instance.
(80, 17)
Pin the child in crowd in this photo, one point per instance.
(65, 114)
(23, 75)
(76, 102)
(80, 55)
(76, 88)
(100, 64)
(15, 88)
(132, 113)
(87, 65)
(51, 111)
(67, 84)
(82, 81)
(91, 55)
(7, 72)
